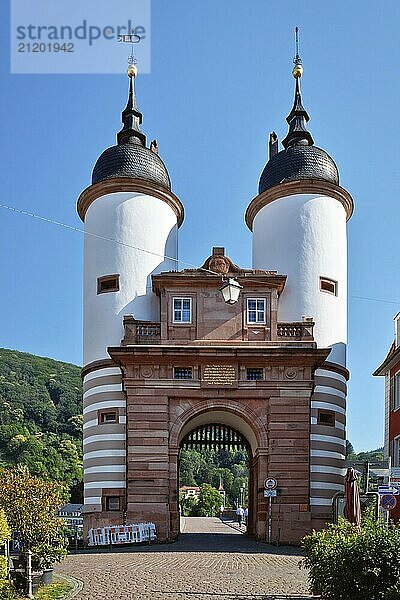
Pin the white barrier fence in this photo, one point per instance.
(122, 534)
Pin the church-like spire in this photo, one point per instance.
(298, 116)
(131, 116)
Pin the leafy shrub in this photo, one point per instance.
(3, 568)
(30, 505)
(208, 503)
(7, 591)
(5, 588)
(345, 564)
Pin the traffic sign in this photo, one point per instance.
(388, 502)
(390, 489)
(395, 472)
(270, 493)
(270, 483)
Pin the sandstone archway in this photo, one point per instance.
(247, 423)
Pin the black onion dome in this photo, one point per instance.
(296, 163)
(131, 157)
(299, 159)
(131, 160)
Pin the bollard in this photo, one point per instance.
(29, 574)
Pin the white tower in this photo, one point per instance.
(131, 220)
(298, 222)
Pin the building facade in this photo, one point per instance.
(167, 362)
(390, 370)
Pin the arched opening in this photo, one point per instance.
(217, 448)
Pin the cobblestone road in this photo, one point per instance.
(211, 561)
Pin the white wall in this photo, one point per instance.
(136, 220)
(304, 237)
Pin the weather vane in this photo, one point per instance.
(297, 59)
(297, 69)
(131, 38)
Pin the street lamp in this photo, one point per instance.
(230, 290)
(242, 493)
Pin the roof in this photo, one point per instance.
(214, 268)
(70, 508)
(131, 160)
(392, 357)
(297, 163)
(300, 159)
(130, 157)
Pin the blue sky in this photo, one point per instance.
(220, 81)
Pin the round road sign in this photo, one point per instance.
(388, 501)
(270, 483)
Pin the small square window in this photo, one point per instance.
(113, 503)
(108, 416)
(254, 374)
(326, 417)
(396, 452)
(256, 311)
(183, 373)
(107, 283)
(328, 285)
(182, 310)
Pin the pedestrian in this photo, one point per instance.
(246, 515)
(221, 511)
(239, 514)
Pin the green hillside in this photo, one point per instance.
(41, 415)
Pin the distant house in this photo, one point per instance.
(390, 369)
(190, 491)
(72, 514)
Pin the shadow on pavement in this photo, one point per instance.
(228, 596)
(204, 542)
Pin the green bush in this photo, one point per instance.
(208, 503)
(347, 564)
(3, 568)
(7, 591)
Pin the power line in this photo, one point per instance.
(164, 256)
(376, 299)
(101, 237)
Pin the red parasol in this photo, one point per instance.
(352, 510)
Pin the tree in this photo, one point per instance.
(349, 450)
(198, 467)
(30, 505)
(209, 501)
(4, 536)
(40, 411)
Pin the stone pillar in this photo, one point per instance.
(148, 468)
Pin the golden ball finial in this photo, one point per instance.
(297, 71)
(132, 71)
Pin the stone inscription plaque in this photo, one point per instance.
(219, 375)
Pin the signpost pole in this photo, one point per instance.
(270, 484)
(270, 520)
(366, 482)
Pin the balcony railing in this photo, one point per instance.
(141, 332)
(149, 332)
(301, 331)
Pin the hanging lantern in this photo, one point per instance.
(230, 290)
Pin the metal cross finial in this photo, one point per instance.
(131, 38)
(297, 59)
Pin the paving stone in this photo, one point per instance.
(211, 561)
